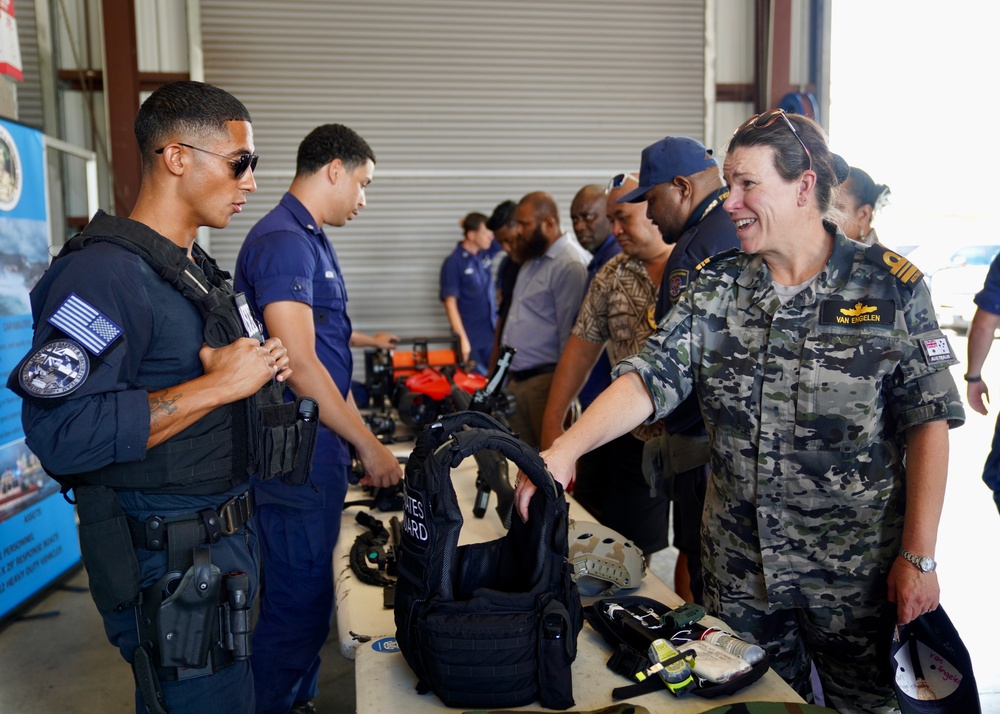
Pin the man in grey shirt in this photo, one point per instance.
(547, 297)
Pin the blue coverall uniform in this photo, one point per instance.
(469, 279)
(286, 256)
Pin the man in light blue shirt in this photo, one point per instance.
(547, 297)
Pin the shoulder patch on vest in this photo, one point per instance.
(55, 369)
(897, 265)
(80, 320)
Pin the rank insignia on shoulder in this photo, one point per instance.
(904, 271)
(55, 369)
(936, 349)
(84, 323)
(861, 312)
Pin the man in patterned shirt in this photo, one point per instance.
(617, 311)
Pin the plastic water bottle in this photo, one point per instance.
(734, 645)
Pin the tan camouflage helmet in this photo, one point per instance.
(604, 561)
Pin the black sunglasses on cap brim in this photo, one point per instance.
(618, 180)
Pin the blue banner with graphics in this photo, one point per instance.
(38, 535)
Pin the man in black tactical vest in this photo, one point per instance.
(142, 393)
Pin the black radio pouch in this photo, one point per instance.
(288, 432)
(631, 638)
(106, 548)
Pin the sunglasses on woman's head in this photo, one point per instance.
(759, 121)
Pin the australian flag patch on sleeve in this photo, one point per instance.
(84, 323)
(936, 349)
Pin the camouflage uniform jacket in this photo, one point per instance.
(618, 310)
(806, 407)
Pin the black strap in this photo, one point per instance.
(181, 544)
(208, 525)
(467, 442)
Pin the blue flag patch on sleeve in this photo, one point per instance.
(85, 324)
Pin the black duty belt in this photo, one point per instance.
(213, 523)
(519, 375)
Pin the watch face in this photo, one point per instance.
(927, 565)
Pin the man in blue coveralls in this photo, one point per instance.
(467, 291)
(290, 273)
(125, 402)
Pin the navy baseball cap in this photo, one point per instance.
(670, 157)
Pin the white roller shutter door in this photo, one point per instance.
(464, 103)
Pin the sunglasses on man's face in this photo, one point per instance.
(618, 180)
(759, 121)
(240, 163)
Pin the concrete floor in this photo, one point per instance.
(58, 660)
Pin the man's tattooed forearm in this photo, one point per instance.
(160, 406)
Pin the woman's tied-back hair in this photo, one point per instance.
(866, 191)
(328, 142)
(790, 160)
(472, 222)
(184, 110)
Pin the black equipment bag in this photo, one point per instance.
(486, 625)
(630, 643)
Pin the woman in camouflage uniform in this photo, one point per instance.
(819, 367)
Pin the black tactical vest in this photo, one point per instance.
(485, 625)
(217, 452)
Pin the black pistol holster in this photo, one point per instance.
(194, 620)
(485, 625)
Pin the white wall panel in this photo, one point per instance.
(161, 36)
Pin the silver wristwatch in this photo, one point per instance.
(925, 564)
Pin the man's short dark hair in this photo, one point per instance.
(503, 215)
(185, 108)
(328, 142)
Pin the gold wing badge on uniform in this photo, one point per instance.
(858, 309)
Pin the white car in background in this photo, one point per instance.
(954, 275)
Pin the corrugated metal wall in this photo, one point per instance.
(29, 92)
(464, 103)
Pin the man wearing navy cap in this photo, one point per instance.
(681, 183)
